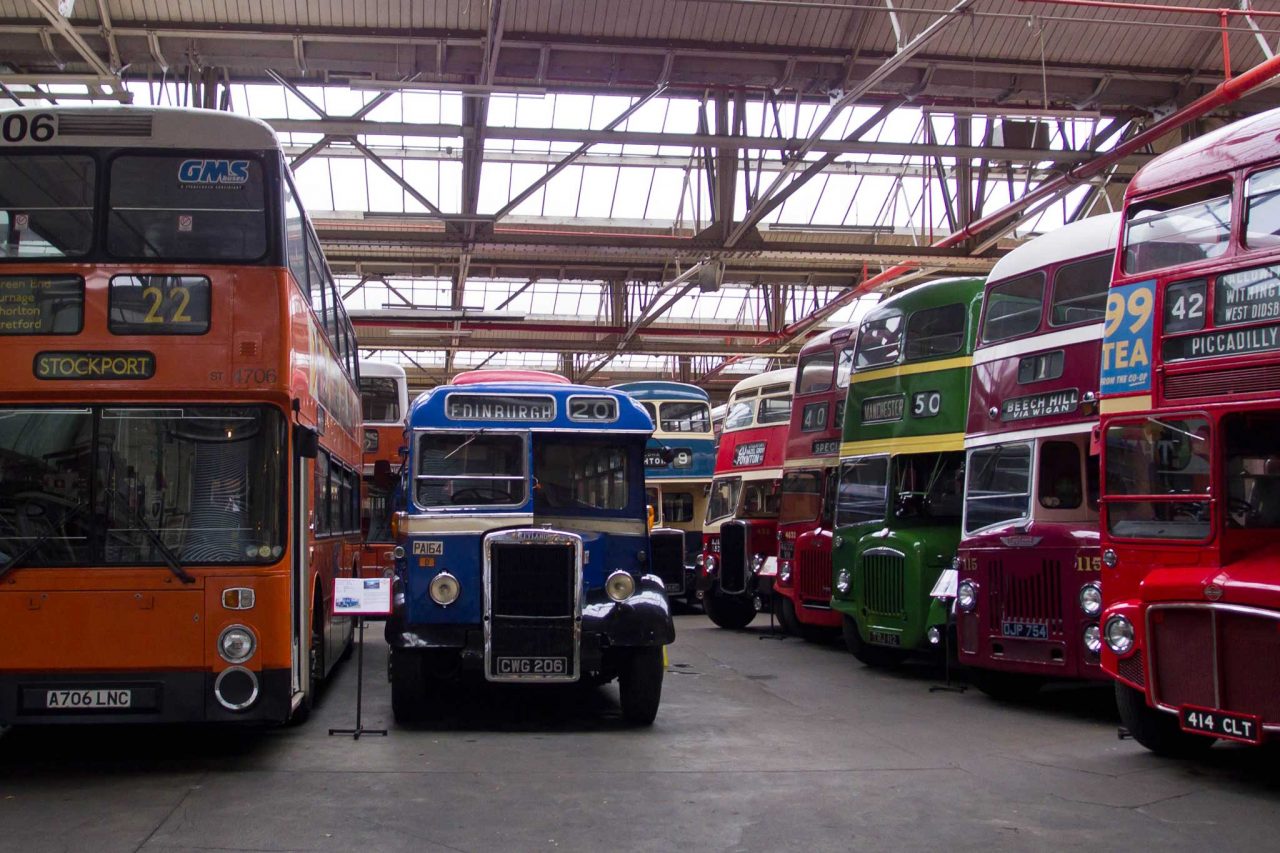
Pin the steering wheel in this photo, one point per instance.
(477, 493)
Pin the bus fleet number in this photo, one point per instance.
(254, 376)
(926, 404)
(16, 128)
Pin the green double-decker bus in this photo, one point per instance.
(901, 485)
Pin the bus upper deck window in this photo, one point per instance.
(879, 339)
(815, 373)
(937, 331)
(1080, 292)
(1178, 228)
(1262, 209)
(46, 205)
(1013, 308)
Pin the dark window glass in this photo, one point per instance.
(677, 507)
(844, 367)
(120, 486)
(774, 410)
(470, 469)
(1060, 486)
(322, 494)
(1177, 228)
(41, 304)
(1080, 292)
(380, 399)
(1262, 209)
(801, 496)
(935, 331)
(158, 305)
(187, 208)
(814, 373)
(652, 410)
(723, 499)
(1253, 470)
(999, 485)
(879, 340)
(760, 499)
(575, 473)
(46, 205)
(1013, 308)
(686, 417)
(863, 492)
(1164, 457)
(295, 238)
(316, 275)
(375, 513)
(740, 414)
(929, 487)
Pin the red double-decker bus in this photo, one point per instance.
(1191, 453)
(179, 423)
(740, 535)
(1028, 562)
(384, 406)
(810, 473)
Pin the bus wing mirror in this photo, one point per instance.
(382, 476)
(403, 451)
(306, 442)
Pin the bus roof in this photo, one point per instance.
(770, 377)
(943, 291)
(1242, 143)
(829, 338)
(149, 127)
(429, 410)
(1079, 239)
(381, 368)
(474, 377)
(654, 389)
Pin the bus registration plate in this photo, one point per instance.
(531, 666)
(1026, 630)
(101, 698)
(1246, 728)
(884, 638)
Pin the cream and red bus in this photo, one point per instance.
(179, 423)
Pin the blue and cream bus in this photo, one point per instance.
(524, 549)
(678, 463)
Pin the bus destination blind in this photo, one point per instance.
(500, 407)
(41, 305)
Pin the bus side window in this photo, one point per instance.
(322, 493)
(295, 238)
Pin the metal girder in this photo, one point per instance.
(297, 93)
(391, 173)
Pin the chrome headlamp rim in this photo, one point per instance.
(966, 595)
(1092, 605)
(1118, 635)
(248, 632)
(1091, 636)
(620, 585)
(439, 587)
(844, 581)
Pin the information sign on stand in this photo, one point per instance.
(945, 591)
(361, 597)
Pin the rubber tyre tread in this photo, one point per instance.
(876, 657)
(787, 617)
(408, 687)
(1156, 730)
(640, 685)
(732, 612)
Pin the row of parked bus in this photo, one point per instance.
(1070, 470)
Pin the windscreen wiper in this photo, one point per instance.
(170, 558)
(16, 560)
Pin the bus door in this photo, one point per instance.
(305, 447)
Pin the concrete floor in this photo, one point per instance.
(761, 744)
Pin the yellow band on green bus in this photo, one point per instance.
(911, 444)
(964, 361)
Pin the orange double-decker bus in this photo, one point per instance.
(384, 406)
(179, 423)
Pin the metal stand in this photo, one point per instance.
(947, 686)
(359, 729)
(774, 633)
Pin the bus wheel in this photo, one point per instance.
(1156, 730)
(877, 657)
(1005, 686)
(787, 616)
(729, 611)
(640, 685)
(408, 686)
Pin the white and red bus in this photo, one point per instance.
(1191, 444)
(1029, 594)
(384, 407)
(810, 473)
(179, 423)
(740, 532)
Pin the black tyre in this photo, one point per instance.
(867, 654)
(787, 616)
(729, 611)
(1006, 686)
(408, 686)
(640, 685)
(1156, 730)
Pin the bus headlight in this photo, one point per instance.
(1093, 638)
(236, 644)
(1119, 635)
(444, 589)
(397, 552)
(710, 564)
(843, 582)
(966, 596)
(620, 585)
(757, 562)
(1091, 598)
(784, 570)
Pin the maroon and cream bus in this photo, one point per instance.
(810, 471)
(1029, 596)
